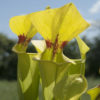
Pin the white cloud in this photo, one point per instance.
(94, 23)
(95, 8)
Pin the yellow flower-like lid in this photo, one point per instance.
(24, 29)
(58, 26)
(64, 23)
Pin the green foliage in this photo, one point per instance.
(93, 58)
(71, 50)
(8, 59)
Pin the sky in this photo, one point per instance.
(90, 10)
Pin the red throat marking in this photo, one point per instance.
(63, 44)
(49, 43)
(55, 45)
(22, 38)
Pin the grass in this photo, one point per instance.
(92, 82)
(8, 89)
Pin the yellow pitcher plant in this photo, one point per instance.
(61, 78)
(27, 71)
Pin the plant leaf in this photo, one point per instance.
(77, 68)
(54, 74)
(82, 46)
(28, 77)
(70, 87)
(50, 73)
(94, 93)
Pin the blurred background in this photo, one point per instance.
(90, 10)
